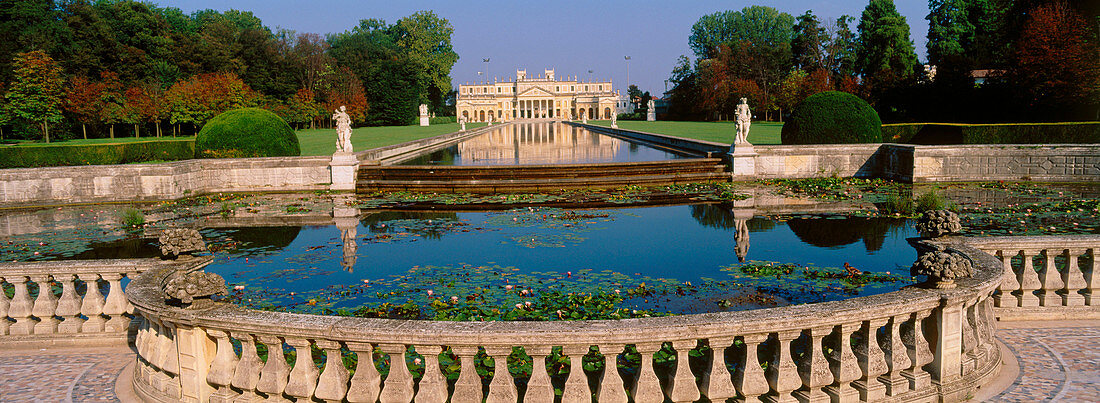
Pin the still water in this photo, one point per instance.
(542, 143)
(414, 256)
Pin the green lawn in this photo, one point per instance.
(721, 132)
(323, 141)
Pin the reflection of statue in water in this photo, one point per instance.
(343, 130)
(351, 247)
(744, 119)
(741, 236)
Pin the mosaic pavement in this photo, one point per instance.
(1056, 364)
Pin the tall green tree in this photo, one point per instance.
(29, 25)
(426, 39)
(808, 44)
(950, 32)
(884, 52)
(840, 51)
(37, 91)
(758, 25)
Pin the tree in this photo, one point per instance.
(759, 25)
(390, 78)
(884, 52)
(112, 100)
(36, 91)
(343, 88)
(841, 50)
(808, 44)
(683, 98)
(310, 59)
(82, 99)
(1056, 61)
(950, 33)
(198, 99)
(426, 39)
(634, 94)
(27, 26)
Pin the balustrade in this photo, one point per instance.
(1064, 276)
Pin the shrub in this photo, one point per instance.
(244, 133)
(833, 117)
(49, 155)
(933, 201)
(132, 218)
(442, 120)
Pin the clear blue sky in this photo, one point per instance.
(570, 36)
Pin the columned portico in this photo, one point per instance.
(538, 97)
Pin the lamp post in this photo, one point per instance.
(486, 61)
(627, 72)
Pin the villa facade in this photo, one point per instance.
(536, 97)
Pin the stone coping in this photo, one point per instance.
(145, 294)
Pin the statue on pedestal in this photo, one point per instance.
(462, 122)
(490, 118)
(343, 130)
(423, 110)
(744, 120)
(614, 120)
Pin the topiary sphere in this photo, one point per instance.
(244, 133)
(833, 117)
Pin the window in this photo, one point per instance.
(586, 88)
(498, 90)
(556, 88)
(571, 88)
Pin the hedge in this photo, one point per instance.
(33, 156)
(1001, 133)
(440, 120)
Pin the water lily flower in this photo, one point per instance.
(527, 304)
(454, 300)
(238, 288)
(431, 292)
(519, 306)
(508, 287)
(416, 361)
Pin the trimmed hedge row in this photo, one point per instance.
(34, 156)
(1001, 133)
(441, 120)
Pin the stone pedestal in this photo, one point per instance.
(651, 116)
(343, 168)
(424, 121)
(742, 161)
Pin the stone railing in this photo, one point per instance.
(914, 344)
(1046, 277)
(85, 304)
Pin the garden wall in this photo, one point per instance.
(173, 180)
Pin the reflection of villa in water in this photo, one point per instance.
(539, 143)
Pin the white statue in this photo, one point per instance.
(490, 118)
(744, 119)
(614, 120)
(343, 130)
(584, 117)
(462, 122)
(650, 105)
(423, 110)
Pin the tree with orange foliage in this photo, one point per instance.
(82, 99)
(1057, 65)
(198, 99)
(343, 88)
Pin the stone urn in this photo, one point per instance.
(937, 223)
(175, 242)
(193, 290)
(942, 268)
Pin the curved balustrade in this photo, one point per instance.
(1045, 275)
(85, 302)
(910, 345)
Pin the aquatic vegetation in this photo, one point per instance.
(132, 218)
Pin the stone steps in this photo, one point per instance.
(526, 178)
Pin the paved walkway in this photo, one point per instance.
(1057, 361)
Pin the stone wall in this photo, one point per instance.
(396, 153)
(172, 180)
(1010, 162)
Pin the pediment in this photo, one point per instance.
(535, 92)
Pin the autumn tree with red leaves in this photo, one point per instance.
(82, 100)
(198, 99)
(1057, 66)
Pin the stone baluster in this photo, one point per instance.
(332, 385)
(576, 385)
(303, 377)
(220, 375)
(167, 360)
(247, 374)
(92, 307)
(20, 307)
(539, 387)
(969, 336)
(5, 306)
(68, 306)
(843, 365)
(147, 347)
(468, 385)
(274, 374)
(897, 358)
(1029, 280)
(716, 383)
(1050, 279)
(814, 368)
(872, 362)
(610, 389)
(433, 386)
(1092, 279)
(681, 384)
(115, 304)
(502, 388)
(919, 352)
(365, 383)
(783, 373)
(1007, 296)
(749, 377)
(988, 328)
(1073, 279)
(45, 306)
(398, 386)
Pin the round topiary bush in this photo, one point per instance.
(247, 132)
(832, 117)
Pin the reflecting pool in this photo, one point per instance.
(542, 143)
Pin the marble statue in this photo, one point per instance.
(343, 130)
(423, 110)
(651, 112)
(490, 118)
(614, 120)
(744, 120)
(650, 105)
(462, 122)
